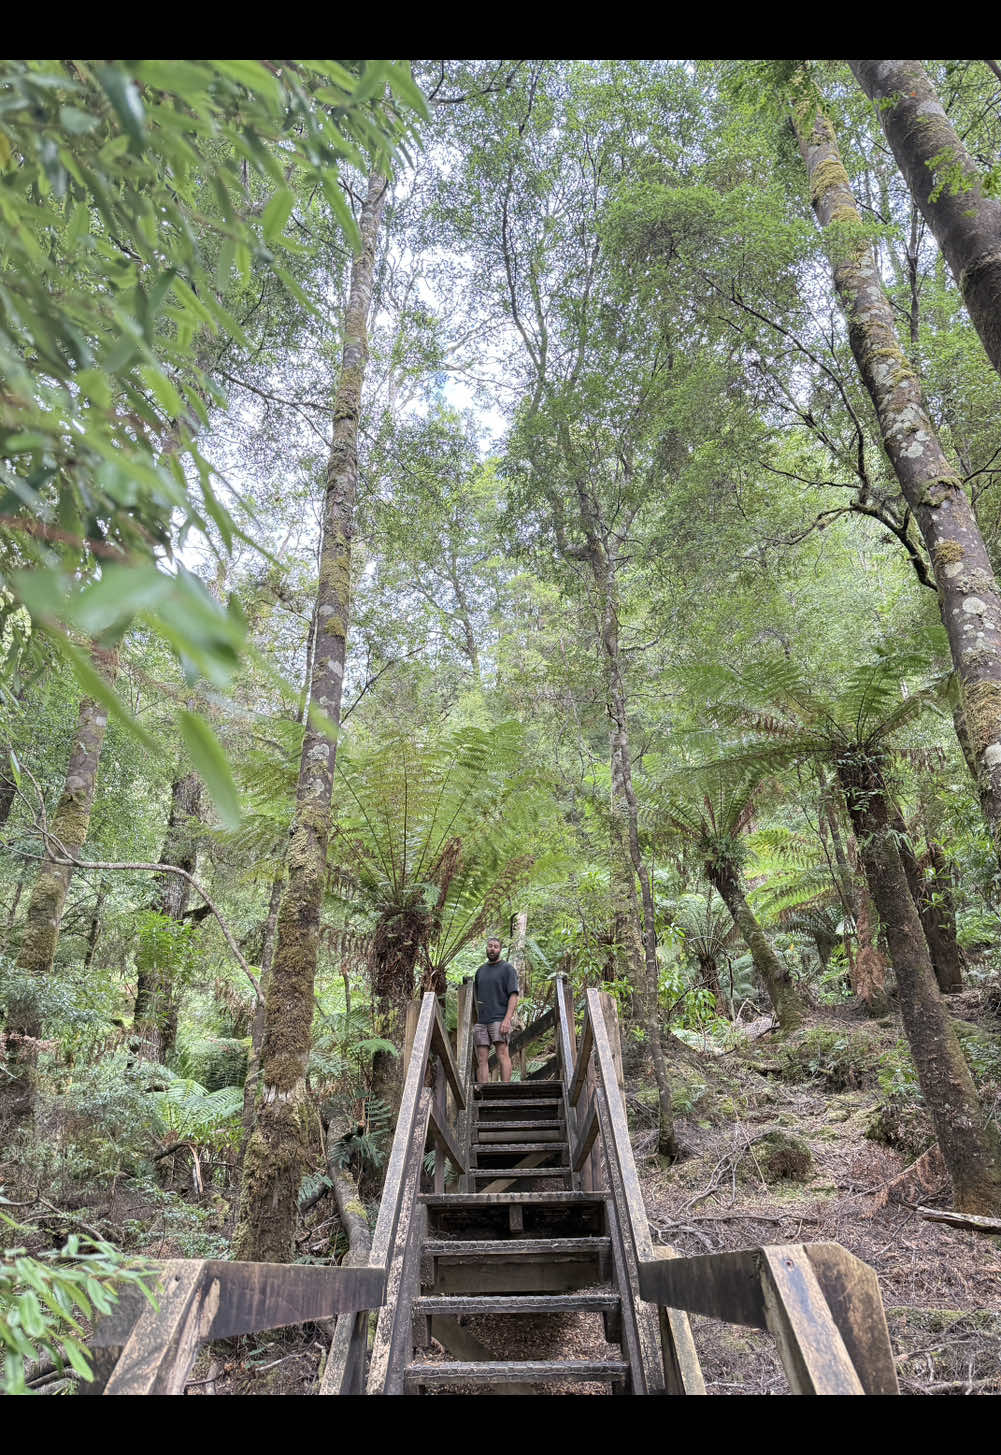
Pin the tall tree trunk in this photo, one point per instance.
(275, 1156)
(157, 1005)
(937, 910)
(969, 599)
(625, 811)
(257, 1027)
(787, 1002)
(945, 183)
(96, 924)
(944, 951)
(68, 831)
(969, 1143)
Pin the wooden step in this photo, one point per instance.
(504, 1149)
(521, 1303)
(495, 1104)
(480, 1248)
(503, 1199)
(543, 1371)
(496, 1125)
(499, 1174)
(493, 1090)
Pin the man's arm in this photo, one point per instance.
(512, 1001)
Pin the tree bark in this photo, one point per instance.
(969, 600)
(783, 993)
(946, 184)
(969, 1143)
(257, 1027)
(276, 1151)
(157, 1004)
(96, 924)
(868, 974)
(939, 920)
(68, 831)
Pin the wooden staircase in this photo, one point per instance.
(520, 1251)
(544, 1217)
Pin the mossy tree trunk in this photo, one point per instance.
(945, 183)
(969, 1143)
(784, 994)
(275, 1155)
(625, 816)
(67, 833)
(969, 600)
(270, 929)
(157, 1002)
(942, 947)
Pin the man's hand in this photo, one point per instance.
(506, 1027)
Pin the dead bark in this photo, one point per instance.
(969, 1142)
(969, 600)
(36, 957)
(276, 1150)
(946, 184)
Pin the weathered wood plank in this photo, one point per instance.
(682, 1369)
(163, 1344)
(443, 1132)
(389, 1207)
(720, 1285)
(393, 1331)
(586, 1139)
(813, 1351)
(851, 1289)
(527, 1035)
(647, 1364)
(440, 1044)
(583, 1059)
(534, 1372)
(566, 1038)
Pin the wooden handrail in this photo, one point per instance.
(822, 1305)
(389, 1207)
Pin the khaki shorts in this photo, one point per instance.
(484, 1035)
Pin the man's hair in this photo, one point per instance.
(494, 939)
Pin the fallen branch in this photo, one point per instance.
(971, 1221)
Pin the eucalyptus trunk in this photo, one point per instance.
(625, 811)
(156, 1009)
(946, 184)
(969, 600)
(786, 999)
(66, 836)
(276, 1152)
(969, 1142)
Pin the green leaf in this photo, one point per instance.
(277, 213)
(254, 76)
(210, 762)
(76, 122)
(123, 93)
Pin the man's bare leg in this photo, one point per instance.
(483, 1065)
(503, 1060)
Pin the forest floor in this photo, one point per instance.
(817, 1099)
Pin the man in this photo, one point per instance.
(496, 989)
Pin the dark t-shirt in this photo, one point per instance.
(492, 986)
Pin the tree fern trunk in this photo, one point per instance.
(787, 1002)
